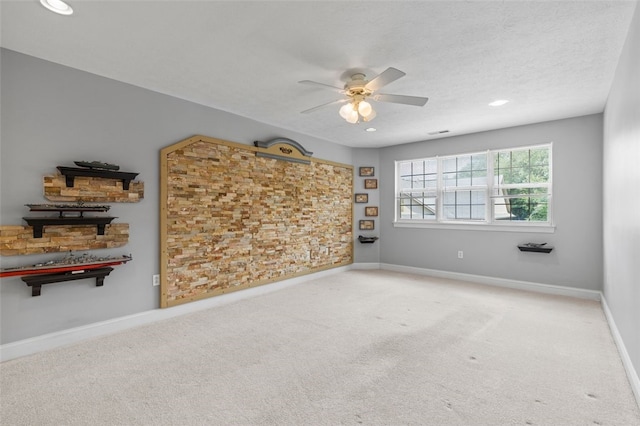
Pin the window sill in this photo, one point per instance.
(545, 229)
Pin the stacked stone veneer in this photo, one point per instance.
(92, 189)
(17, 240)
(234, 220)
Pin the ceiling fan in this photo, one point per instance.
(358, 90)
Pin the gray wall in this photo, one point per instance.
(366, 157)
(621, 169)
(52, 115)
(576, 260)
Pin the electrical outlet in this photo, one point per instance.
(460, 254)
(156, 280)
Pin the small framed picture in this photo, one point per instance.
(362, 198)
(371, 211)
(367, 171)
(371, 184)
(367, 225)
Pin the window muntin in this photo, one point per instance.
(456, 189)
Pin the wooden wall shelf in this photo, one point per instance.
(71, 172)
(39, 223)
(37, 281)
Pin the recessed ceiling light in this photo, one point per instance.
(370, 129)
(498, 102)
(57, 6)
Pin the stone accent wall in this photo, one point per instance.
(234, 220)
(18, 240)
(92, 189)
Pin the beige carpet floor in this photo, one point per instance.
(358, 347)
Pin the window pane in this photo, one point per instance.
(431, 181)
(417, 205)
(522, 166)
(539, 156)
(464, 205)
(478, 212)
(539, 174)
(531, 209)
(479, 162)
(449, 179)
(463, 212)
(449, 165)
(479, 178)
(418, 167)
(405, 182)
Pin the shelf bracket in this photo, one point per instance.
(37, 281)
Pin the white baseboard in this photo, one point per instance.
(366, 266)
(632, 374)
(57, 339)
(498, 282)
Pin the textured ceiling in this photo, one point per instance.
(552, 60)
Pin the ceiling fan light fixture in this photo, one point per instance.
(346, 110)
(353, 117)
(365, 109)
(57, 6)
(371, 116)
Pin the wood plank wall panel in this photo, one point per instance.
(92, 189)
(234, 220)
(18, 240)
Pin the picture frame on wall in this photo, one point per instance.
(367, 171)
(371, 184)
(367, 225)
(371, 211)
(362, 198)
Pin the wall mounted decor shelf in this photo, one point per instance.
(367, 240)
(71, 172)
(38, 223)
(69, 268)
(535, 247)
(19, 240)
(37, 281)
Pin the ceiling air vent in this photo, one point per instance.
(439, 132)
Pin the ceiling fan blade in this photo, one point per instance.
(322, 85)
(385, 77)
(401, 99)
(339, 101)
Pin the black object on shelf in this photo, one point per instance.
(535, 247)
(40, 222)
(71, 172)
(367, 240)
(61, 209)
(37, 281)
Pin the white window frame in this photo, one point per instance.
(488, 223)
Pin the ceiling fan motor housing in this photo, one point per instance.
(357, 86)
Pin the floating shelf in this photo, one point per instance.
(367, 240)
(535, 248)
(37, 281)
(71, 172)
(39, 223)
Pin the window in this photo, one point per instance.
(493, 187)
